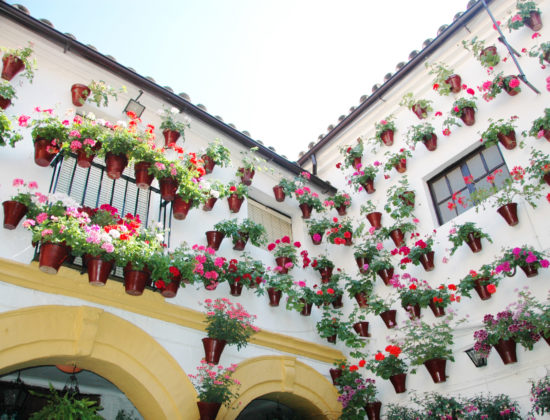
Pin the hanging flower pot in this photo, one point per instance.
(317, 239)
(455, 81)
(397, 237)
(534, 21)
(361, 261)
(306, 310)
(530, 270)
(489, 51)
(115, 165)
(474, 243)
(427, 261)
(401, 166)
(375, 219)
(79, 94)
(357, 162)
(306, 210)
(510, 90)
(234, 203)
(413, 310)
(326, 274)
(430, 142)
(437, 310)
(98, 270)
(507, 350)
(214, 239)
(208, 164)
(398, 382)
(508, 140)
(387, 137)
(52, 256)
(407, 198)
(239, 244)
(4, 102)
(510, 213)
(279, 193)
(436, 368)
(348, 241)
(136, 280)
(170, 290)
(141, 173)
(168, 187)
(481, 289)
(42, 156)
(235, 288)
(419, 111)
(335, 374)
(546, 177)
(170, 137)
(282, 262)
(180, 208)
(389, 318)
(209, 204)
(368, 185)
(274, 296)
(373, 410)
(208, 410)
(13, 213)
(332, 339)
(468, 116)
(361, 299)
(83, 159)
(386, 275)
(247, 175)
(342, 210)
(337, 302)
(213, 349)
(362, 328)
(11, 66)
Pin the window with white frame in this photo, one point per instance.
(276, 224)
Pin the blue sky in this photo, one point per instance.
(283, 70)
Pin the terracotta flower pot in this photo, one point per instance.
(373, 410)
(98, 270)
(170, 137)
(387, 137)
(342, 210)
(361, 261)
(279, 193)
(180, 208)
(214, 239)
(306, 210)
(389, 318)
(357, 162)
(408, 198)
(508, 140)
(52, 256)
(208, 410)
(135, 281)
(468, 116)
(420, 112)
(530, 270)
(42, 157)
(349, 241)
(335, 373)
(83, 159)
(208, 164)
(534, 21)
(455, 81)
(337, 302)
(79, 94)
(317, 241)
(397, 237)
(239, 244)
(507, 351)
(437, 310)
(274, 296)
(401, 167)
(247, 175)
(141, 173)
(436, 368)
(14, 211)
(474, 243)
(368, 185)
(170, 290)
(281, 262)
(236, 288)
(361, 299)
(510, 213)
(491, 50)
(427, 261)
(430, 142)
(115, 165)
(4, 102)
(326, 274)
(11, 66)
(362, 328)
(306, 310)
(398, 382)
(414, 311)
(332, 339)
(168, 187)
(386, 275)
(209, 204)
(234, 203)
(481, 289)
(546, 177)
(509, 90)
(375, 219)
(213, 349)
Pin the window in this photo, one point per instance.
(476, 166)
(276, 224)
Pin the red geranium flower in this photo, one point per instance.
(379, 356)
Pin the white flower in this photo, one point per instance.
(123, 228)
(90, 116)
(160, 237)
(174, 110)
(215, 193)
(114, 233)
(121, 123)
(101, 121)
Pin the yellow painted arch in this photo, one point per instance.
(105, 344)
(288, 380)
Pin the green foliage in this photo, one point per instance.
(400, 200)
(255, 232)
(458, 235)
(419, 133)
(486, 275)
(382, 126)
(540, 396)
(351, 152)
(541, 51)
(396, 158)
(441, 73)
(7, 91)
(215, 384)
(252, 161)
(319, 226)
(524, 9)
(409, 101)
(218, 153)
(485, 57)
(541, 123)
(100, 92)
(7, 134)
(66, 407)
(24, 55)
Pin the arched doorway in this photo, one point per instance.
(102, 343)
(283, 380)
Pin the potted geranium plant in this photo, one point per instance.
(374, 217)
(510, 84)
(333, 327)
(84, 139)
(235, 192)
(364, 178)
(168, 173)
(353, 154)
(316, 228)
(339, 202)
(226, 323)
(500, 131)
(15, 60)
(420, 107)
(244, 272)
(382, 265)
(208, 269)
(357, 395)
(390, 367)
(487, 56)
(383, 307)
(188, 195)
(541, 51)
(211, 192)
(400, 200)
(144, 155)
(364, 253)
(324, 266)
(215, 154)
(18, 205)
(540, 126)
(385, 130)
(422, 253)
(173, 269)
(285, 253)
(540, 396)
(525, 257)
(359, 288)
(248, 230)
(340, 232)
(277, 283)
(445, 80)
(48, 134)
(221, 230)
(539, 167)
(485, 281)
(527, 14)
(467, 233)
(397, 160)
(422, 133)
(285, 187)
(330, 292)
(398, 231)
(7, 93)
(7, 134)
(215, 387)
(308, 201)
(250, 162)
(464, 108)
(415, 295)
(358, 319)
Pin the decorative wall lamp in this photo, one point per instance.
(134, 106)
(477, 360)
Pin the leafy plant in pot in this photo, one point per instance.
(374, 217)
(398, 231)
(340, 232)
(211, 191)
(358, 319)
(400, 200)
(19, 204)
(383, 307)
(171, 128)
(7, 134)
(333, 328)
(168, 173)
(324, 266)
(250, 163)
(330, 292)
(188, 195)
(525, 257)
(7, 93)
(527, 14)
(285, 253)
(316, 228)
(539, 167)
(384, 131)
(500, 131)
(277, 283)
(491, 89)
(248, 230)
(144, 155)
(15, 60)
(172, 270)
(209, 269)
(541, 51)
(216, 154)
(84, 139)
(390, 367)
(485, 281)
(421, 253)
(364, 253)
(356, 391)
(224, 228)
(284, 188)
(414, 295)
(445, 80)
(363, 178)
(382, 265)
(540, 126)
(359, 288)
(420, 107)
(67, 406)
(235, 195)
(340, 202)
(245, 272)
(48, 134)
(464, 108)
(397, 160)
(308, 201)
(467, 233)
(422, 133)
(352, 154)
(487, 56)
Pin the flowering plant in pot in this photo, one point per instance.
(384, 131)
(211, 191)
(276, 283)
(250, 162)
(216, 154)
(383, 307)
(138, 244)
(308, 201)
(174, 267)
(354, 390)
(19, 204)
(539, 167)
(316, 228)
(330, 292)
(537, 312)
(188, 195)
(7, 134)
(235, 195)
(116, 145)
(382, 265)
(487, 56)
(397, 160)
(340, 232)
(541, 51)
(527, 14)
(305, 298)
(245, 272)
(401, 412)
(496, 129)
(357, 285)
(386, 366)
(339, 202)
(170, 124)
(7, 93)
(540, 127)
(420, 107)
(418, 293)
(323, 265)
(16, 59)
(208, 269)
(464, 108)
(48, 134)
(540, 396)
(144, 154)
(445, 80)
(285, 253)
(352, 154)
(525, 257)
(421, 252)
(100, 92)
(422, 133)
(248, 229)
(333, 327)
(465, 233)
(400, 200)
(364, 178)
(485, 281)
(491, 89)
(84, 136)
(215, 386)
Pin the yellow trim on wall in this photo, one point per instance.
(69, 282)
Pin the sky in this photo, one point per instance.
(283, 70)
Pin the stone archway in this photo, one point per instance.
(288, 380)
(105, 344)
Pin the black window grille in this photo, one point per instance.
(451, 182)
